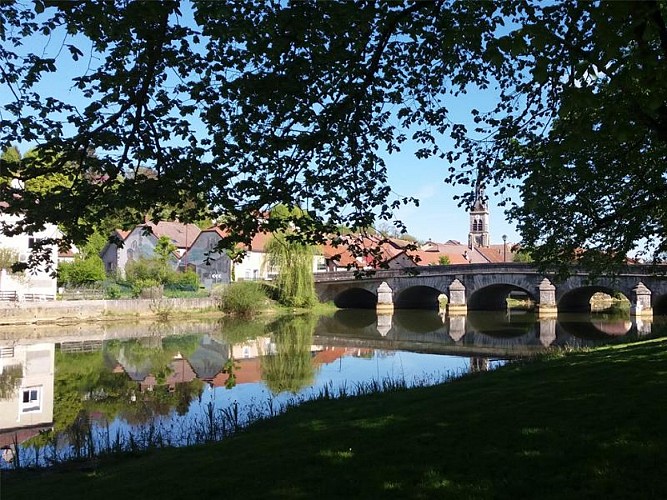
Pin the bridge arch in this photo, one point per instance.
(417, 297)
(494, 297)
(356, 298)
(660, 305)
(579, 299)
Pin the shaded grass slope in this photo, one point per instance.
(576, 425)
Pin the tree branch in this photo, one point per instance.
(386, 33)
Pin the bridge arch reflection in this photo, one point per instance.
(499, 324)
(353, 319)
(594, 329)
(492, 333)
(416, 321)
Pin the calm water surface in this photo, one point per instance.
(78, 391)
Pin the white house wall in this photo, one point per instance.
(39, 281)
(252, 267)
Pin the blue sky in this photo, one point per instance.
(438, 217)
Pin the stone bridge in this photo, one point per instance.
(487, 286)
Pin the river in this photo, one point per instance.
(82, 390)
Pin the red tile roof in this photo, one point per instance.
(122, 234)
(345, 257)
(430, 258)
(181, 235)
(259, 241)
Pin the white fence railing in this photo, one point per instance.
(9, 295)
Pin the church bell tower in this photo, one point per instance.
(479, 219)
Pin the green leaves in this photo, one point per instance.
(238, 107)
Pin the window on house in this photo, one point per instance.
(31, 399)
(32, 242)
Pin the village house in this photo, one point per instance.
(141, 241)
(38, 283)
(212, 267)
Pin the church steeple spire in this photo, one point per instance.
(479, 218)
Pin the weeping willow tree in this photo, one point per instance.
(294, 262)
(291, 367)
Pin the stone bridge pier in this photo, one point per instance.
(641, 305)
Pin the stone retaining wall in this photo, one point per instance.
(96, 310)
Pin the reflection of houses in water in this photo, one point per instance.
(209, 358)
(329, 354)
(248, 369)
(26, 391)
(212, 361)
(179, 372)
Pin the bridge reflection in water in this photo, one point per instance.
(484, 333)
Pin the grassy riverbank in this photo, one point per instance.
(576, 425)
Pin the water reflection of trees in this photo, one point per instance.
(10, 379)
(235, 330)
(291, 367)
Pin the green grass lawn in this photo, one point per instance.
(578, 425)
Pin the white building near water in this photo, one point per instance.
(31, 284)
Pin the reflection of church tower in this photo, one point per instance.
(479, 220)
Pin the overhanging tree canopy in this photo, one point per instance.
(241, 106)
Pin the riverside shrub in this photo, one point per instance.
(244, 298)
